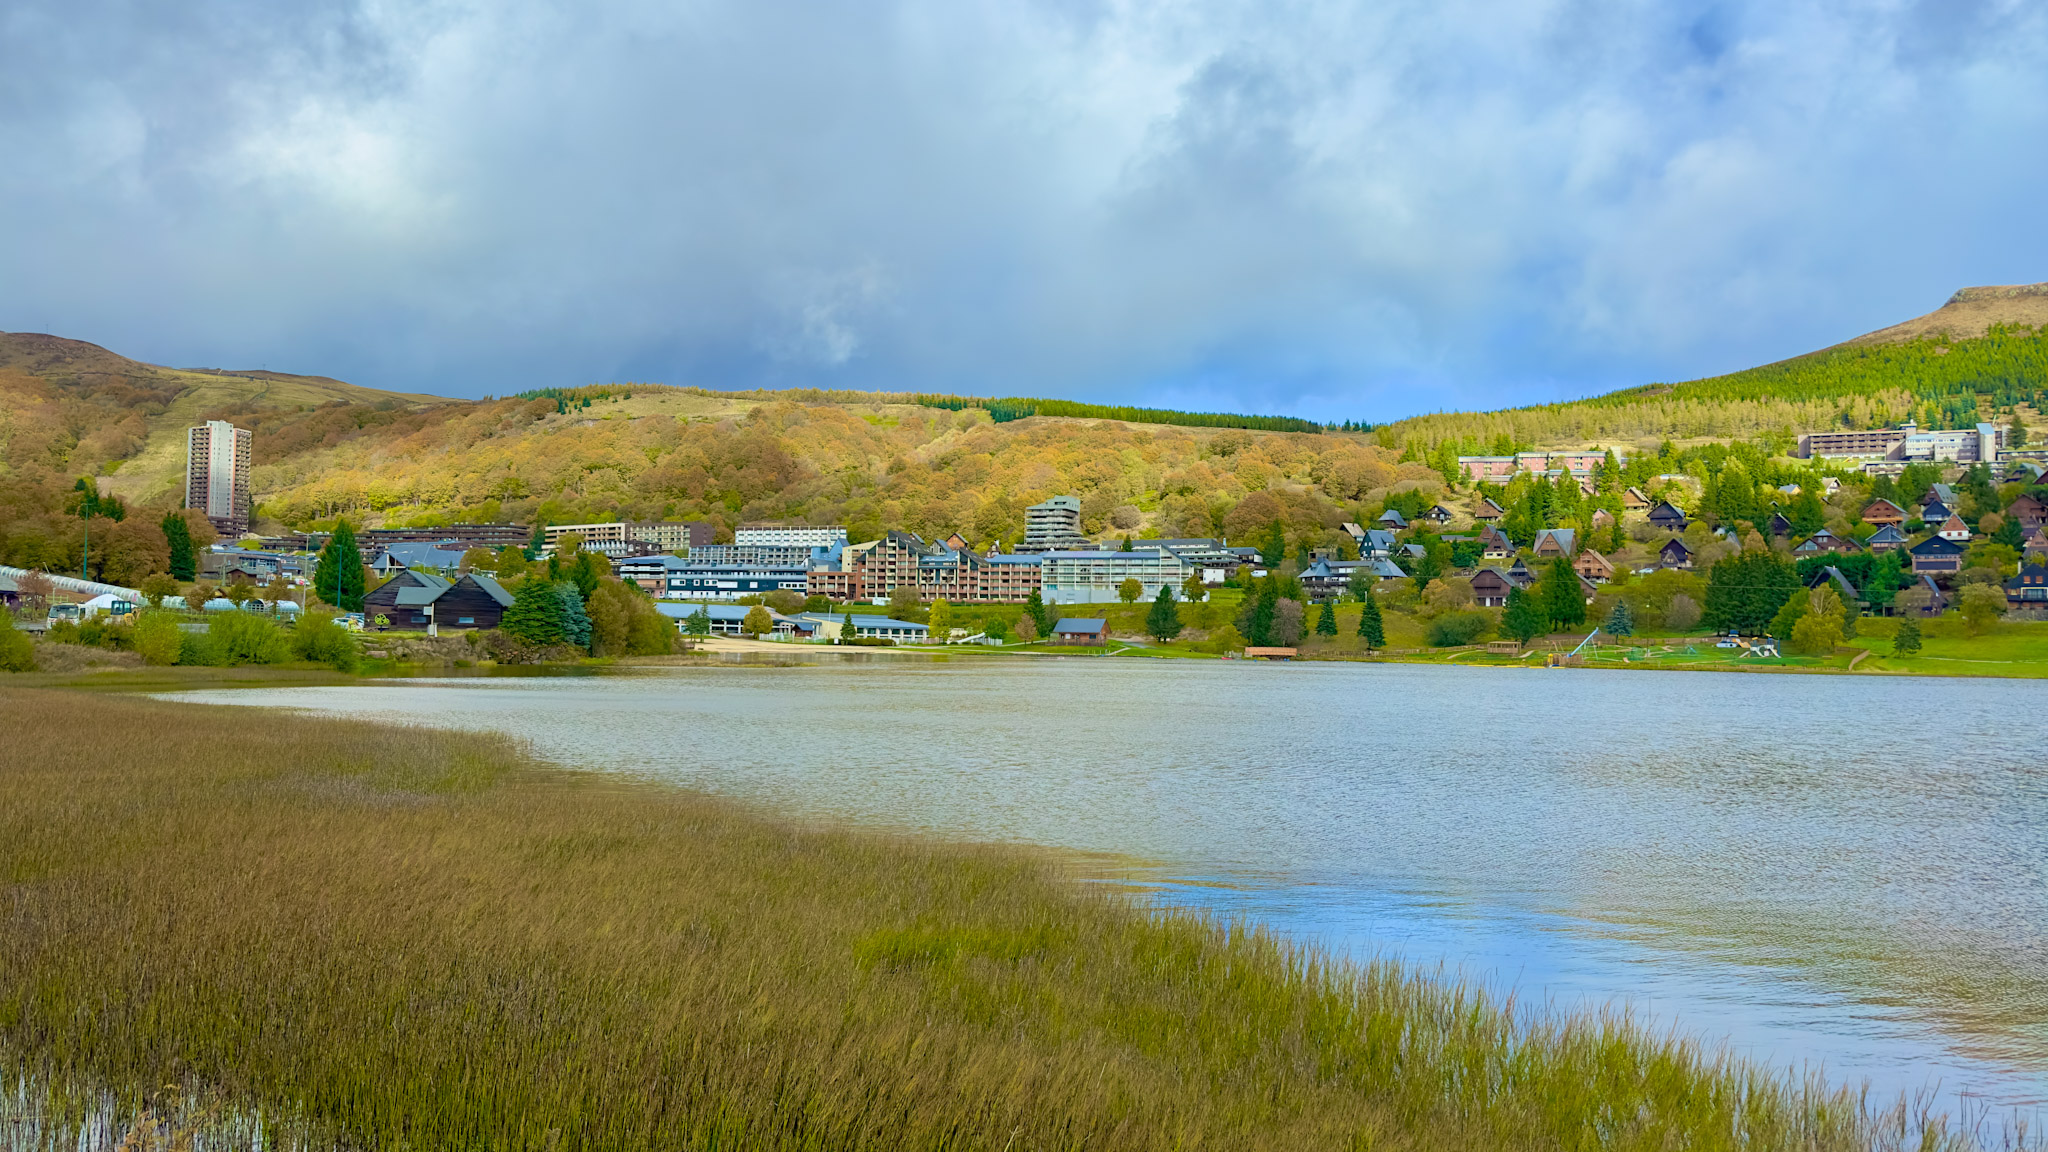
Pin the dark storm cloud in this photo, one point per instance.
(1337, 209)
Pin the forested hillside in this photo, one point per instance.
(1972, 360)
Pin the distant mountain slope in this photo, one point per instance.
(1970, 313)
(86, 408)
(1973, 359)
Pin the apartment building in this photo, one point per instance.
(674, 578)
(790, 536)
(1094, 577)
(873, 571)
(217, 474)
(1581, 466)
(1054, 526)
(618, 537)
(1906, 444)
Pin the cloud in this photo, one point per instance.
(1335, 209)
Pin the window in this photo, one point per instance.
(466, 620)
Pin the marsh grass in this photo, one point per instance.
(373, 937)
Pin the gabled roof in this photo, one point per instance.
(1779, 525)
(1665, 510)
(1953, 524)
(1841, 582)
(1077, 626)
(1934, 510)
(1676, 543)
(1936, 546)
(1883, 507)
(2034, 574)
(1486, 509)
(1562, 537)
(1889, 534)
(1351, 529)
(1393, 516)
(491, 587)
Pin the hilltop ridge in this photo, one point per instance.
(1969, 314)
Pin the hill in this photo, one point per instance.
(1976, 357)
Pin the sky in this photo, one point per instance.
(1333, 210)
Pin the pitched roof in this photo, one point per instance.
(1665, 510)
(1889, 534)
(1562, 537)
(491, 587)
(1675, 542)
(1936, 546)
(1078, 626)
(1393, 516)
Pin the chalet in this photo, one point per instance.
(1375, 543)
(1937, 600)
(1886, 539)
(1393, 519)
(2036, 546)
(1934, 511)
(2028, 510)
(1593, 566)
(1080, 631)
(1953, 528)
(1437, 514)
(1494, 543)
(1490, 587)
(1633, 500)
(2029, 589)
(1833, 575)
(1602, 518)
(1674, 554)
(414, 601)
(1520, 576)
(1882, 511)
(1486, 509)
(1667, 517)
(1823, 543)
(1935, 556)
(1779, 526)
(1945, 493)
(1554, 542)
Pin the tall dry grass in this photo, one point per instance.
(368, 937)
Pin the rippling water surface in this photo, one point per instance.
(1843, 871)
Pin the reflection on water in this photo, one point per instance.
(1833, 870)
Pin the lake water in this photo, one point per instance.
(1823, 870)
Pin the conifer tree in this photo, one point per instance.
(1326, 620)
(184, 564)
(1522, 619)
(338, 577)
(539, 540)
(1034, 607)
(1370, 624)
(847, 632)
(1274, 550)
(1562, 599)
(575, 621)
(1906, 640)
(1163, 620)
(1621, 621)
(537, 615)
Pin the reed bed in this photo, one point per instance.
(314, 933)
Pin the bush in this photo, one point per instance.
(1455, 628)
(199, 649)
(17, 651)
(1224, 639)
(242, 638)
(319, 639)
(158, 638)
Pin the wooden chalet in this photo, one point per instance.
(2029, 510)
(1674, 554)
(1633, 500)
(1823, 543)
(1934, 511)
(1602, 518)
(1886, 539)
(1552, 543)
(1843, 588)
(1937, 600)
(2036, 545)
(1953, 528)
(1437, 514)
(1392, 518)
(1935, 556)
(1080, 631)
(1881, 511)
(1494, 543)
(1779, 525)
(1490, 587)
(2029, 589)
(1667, 516)
(1486, 509)
(414, 601)
(1593, 566)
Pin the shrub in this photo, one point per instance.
(1683, 613)
(158, 638)
(242, 638)
(1455, 628)
(17, 651)
(318, 638)
(199, 649)
(1815, 634)
(1224, 639)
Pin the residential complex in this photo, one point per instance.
(679, 579)
(790, 536)
(217, 474)
(1094, 577)
(1583, 466)
(626, 537)
(949, 571)
(1906, 444)
(1054, 526)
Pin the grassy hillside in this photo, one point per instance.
(1971, 360)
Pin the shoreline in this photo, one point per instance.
(468, 794)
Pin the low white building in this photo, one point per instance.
(1095, 577)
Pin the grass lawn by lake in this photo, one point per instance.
(397, 938)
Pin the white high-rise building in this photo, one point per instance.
(217, 474)
(790, 536)
(1054, 526)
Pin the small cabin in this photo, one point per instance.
(1667, 516)
(1674, 554)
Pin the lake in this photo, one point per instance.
(1834, 871)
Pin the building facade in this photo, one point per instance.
(1094, 577)
(1054, 526)
(790, 536)
(875, 570)
(217, 474)
(1906, 444)
(620, 535)
(1582, 466)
